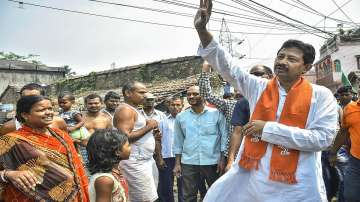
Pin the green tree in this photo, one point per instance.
(68, 72)
(13, 56)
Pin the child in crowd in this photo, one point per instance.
(73, 119)
(106, 148)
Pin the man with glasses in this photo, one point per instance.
(262, 71)
(241, 115)
(291, 121)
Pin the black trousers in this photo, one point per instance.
(192, 179)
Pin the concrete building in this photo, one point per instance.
(339, 55)
(19, 73)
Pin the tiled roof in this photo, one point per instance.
(161, 89)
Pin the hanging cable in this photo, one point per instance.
(295, 20)
(135, 20)
(236, 22)
(270, 16)
(344, 13)
(321, 14)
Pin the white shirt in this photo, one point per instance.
(156, 115)
(166, 127)
(239, 184)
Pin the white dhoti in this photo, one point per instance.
(241, 185)
(140, 177)
(140, 170)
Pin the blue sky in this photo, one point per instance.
(89, 43)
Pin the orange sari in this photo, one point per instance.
(52, 158)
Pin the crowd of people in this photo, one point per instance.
(270, 137)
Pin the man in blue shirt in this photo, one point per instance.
(166, 176)
(200, 140)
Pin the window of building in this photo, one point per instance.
(358, 61)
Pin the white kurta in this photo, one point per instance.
(238, 184)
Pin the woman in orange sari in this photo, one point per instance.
(40, 163)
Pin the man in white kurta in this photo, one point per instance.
(254, 185)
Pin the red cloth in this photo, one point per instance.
(64, 146)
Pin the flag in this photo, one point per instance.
(345, 81)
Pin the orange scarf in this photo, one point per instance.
(66, 148)
(283, 163)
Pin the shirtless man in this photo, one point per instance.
(111, 101)
(27, 90)
(140, 170)
(94, 117)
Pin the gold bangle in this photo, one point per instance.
(3, 177)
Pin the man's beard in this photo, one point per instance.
(92, 110)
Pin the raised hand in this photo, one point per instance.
(157, 134)
(206, 67)
(203, 14)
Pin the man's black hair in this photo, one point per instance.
(33, 86)
(111, 95)
(67, 94)
(268, 70)
(92, 96)
(307, 49)
(129, 86)
(175, 97)
(344, 89)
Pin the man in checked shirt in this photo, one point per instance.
(229, 106)
(226, 106)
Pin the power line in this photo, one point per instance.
(270, 16)
(191, 15)
(306, 6)
(134, 20)
(344, 13)
(321, 14)
(272, 10)
(100, 15)
(231, 6)
(334, 11)
(217, 11)
(259, 40)
(303, 9)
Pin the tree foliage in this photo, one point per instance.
(31, 59)
(13, 56)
